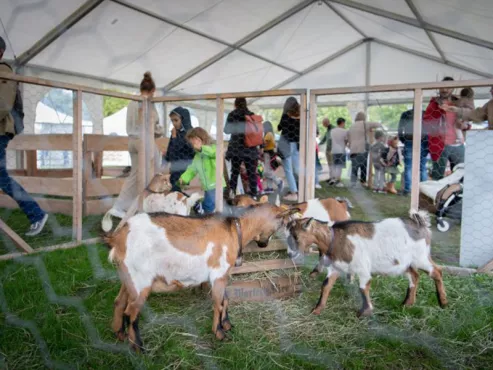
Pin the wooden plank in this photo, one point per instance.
(219, 154)
(18, 241)
(32, 163)
(149, 141)
(87, 175)
(416, 163)
(274, 245)
(98, 206)
(103, 187)
(41, 142)
(98, 164)
(100, 143)
(60, 173)
(77, 160)
(17, 172)
(265, 265)
(246, 94)
(308, 134)
(262, 290)
(62, 206)
(487, 267)
(46, 185)
(68, 86)
(142, 158)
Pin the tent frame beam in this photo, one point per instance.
(420, 19)
(345, 19)
(230, 47)
(415, 23)
(56, 32)
(433, 58)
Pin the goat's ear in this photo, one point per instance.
(263, 199)
(289, 212)
(307, 224)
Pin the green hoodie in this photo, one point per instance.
(203, 164)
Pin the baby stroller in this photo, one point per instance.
(447, 196)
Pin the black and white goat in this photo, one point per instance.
(393, 246)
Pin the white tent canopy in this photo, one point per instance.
(204, 46)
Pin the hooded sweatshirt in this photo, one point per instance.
(180, 153)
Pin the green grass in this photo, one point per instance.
(56, 310)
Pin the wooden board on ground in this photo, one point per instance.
(18, 241)
(263, 289)
(265, 265)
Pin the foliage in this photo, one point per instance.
(112, 105)
(388, 115)
(62, 101)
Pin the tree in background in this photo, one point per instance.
(388, 115)
(112, 105)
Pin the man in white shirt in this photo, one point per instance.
(339, 142)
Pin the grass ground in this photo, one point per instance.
(56, 308)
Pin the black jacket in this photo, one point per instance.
(290, 128)
(180, 153)
(235, 126)
(405, 130)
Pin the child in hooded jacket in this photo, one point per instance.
(392, 158)
(180, 153)
(203, 165)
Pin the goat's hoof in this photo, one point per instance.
(408, 303)
(365, 313)
(121, 336)
(313, 274)
(138, 348)
(226, 324)
(317, 311)
(443, 304)
(220, 335)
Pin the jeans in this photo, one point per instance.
(10, 187)
(251, 170)
(291, 166)
(209, 202)
(174, 178)
(358, 161)
(453, 153)
(408, 164)
(379, 181)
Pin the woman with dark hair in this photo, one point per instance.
(238, 152)
(134, 122)
(289, 144)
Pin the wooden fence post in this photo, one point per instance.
(303, 165)
(219, 153)
(311, 145)
(417, 123)
(77, 160)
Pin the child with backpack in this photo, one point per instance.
(376, 155)
(203, 165)
(271, 161)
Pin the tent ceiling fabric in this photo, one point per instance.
(117, 42)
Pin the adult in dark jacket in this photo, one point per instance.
(405, 133)
(180, 153)
(237, 152)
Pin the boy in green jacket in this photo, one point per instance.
(203, 164)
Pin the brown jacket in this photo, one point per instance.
(479, 114)
(356, 135)
(7, 97)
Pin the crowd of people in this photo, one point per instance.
(191, 152)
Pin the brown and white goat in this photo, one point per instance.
(163, 253)
(393, 246)
(327, 210)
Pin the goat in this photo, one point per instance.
(328, 210)
(157, 198)
(393, 246)
(162, 253)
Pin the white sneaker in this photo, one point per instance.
(38, 226)
(340, 185)
(318, 186)
(291, 197)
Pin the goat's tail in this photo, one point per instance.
(421, 218)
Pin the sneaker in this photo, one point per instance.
(318, 186)
(340, 185)
(375, 191)
(117, 213)
(198, 208)
(268, 191)
(382, 191)
(280, 186)
(38, 226)
(291, 197)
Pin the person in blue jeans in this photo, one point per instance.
(405, 133)
(8, 93)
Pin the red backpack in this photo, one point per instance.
(254, 130)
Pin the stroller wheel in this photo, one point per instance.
(443, 226)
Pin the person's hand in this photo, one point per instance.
(173, 132)
(449, 108)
